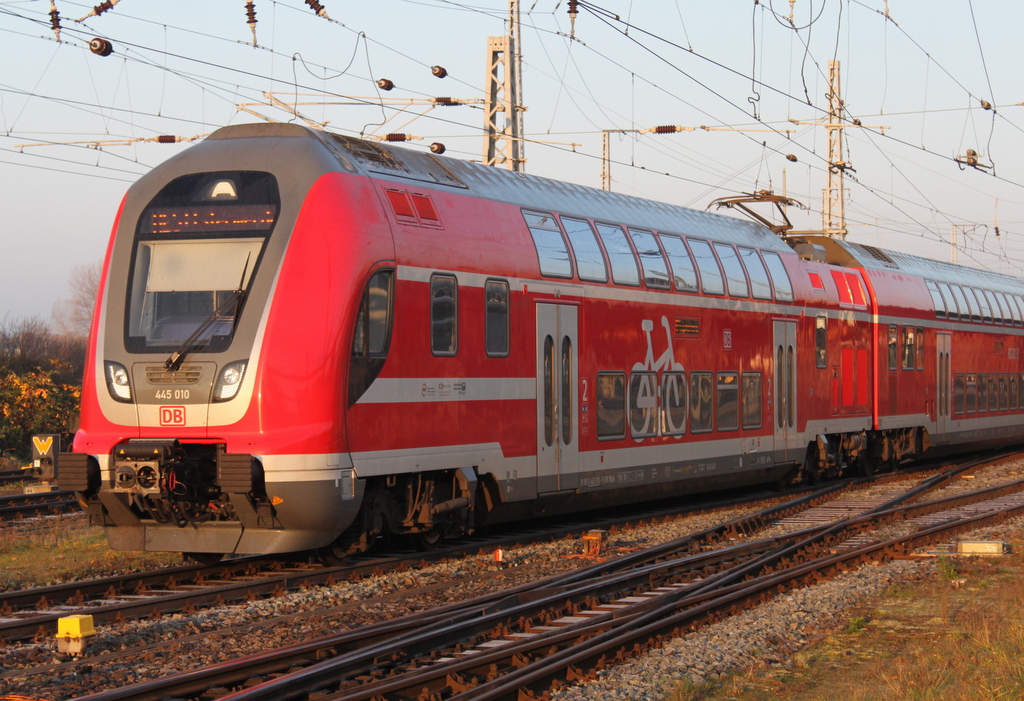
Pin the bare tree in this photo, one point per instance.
(73, 316)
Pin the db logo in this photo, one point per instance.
(172, 416)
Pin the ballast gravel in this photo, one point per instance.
(140, 650)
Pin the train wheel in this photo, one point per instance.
(204, 558)
(867, 466)
(429, 540)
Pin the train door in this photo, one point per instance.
(943, 343)
(557, 398)
(787, 443)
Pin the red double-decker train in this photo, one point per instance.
(307, 341)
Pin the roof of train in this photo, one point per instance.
(386, 160)
(531, 191)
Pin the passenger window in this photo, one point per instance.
(986, 313)
(374, 320)
(620, 255)
(993, 396)
(982, 392)
(893, 354)
(589, 259)
(972, 393)
(552, 253)
(993, 304)
(735, 276)
(959, 393)
(967, 310)
(1011, 309)
(1004, 393)
(710, 273)
(821, 341)
(444, 290)
(610, 394)
(760, 283)
(920, 348)
(643, 404)
(1013, 391)
(937, 301)
(496, 318)
(728, 406)
(952, 312)
(780, 278)
(752, 400)
(683, 272)
(701, 395)
(673, 403)
(907, 356)
(653, 263)
(371, 336)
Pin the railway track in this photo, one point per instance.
(14, 476)
(465, 649)
(33, 613)
(20, 506)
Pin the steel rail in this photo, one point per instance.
(711, 589)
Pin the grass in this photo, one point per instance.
(64, 549)
(935, 640)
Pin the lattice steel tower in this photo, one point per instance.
(503, 110)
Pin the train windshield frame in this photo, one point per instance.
(197, 248)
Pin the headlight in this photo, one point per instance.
(118, 384)
(229, 381)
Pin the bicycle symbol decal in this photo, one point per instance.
(644, 393)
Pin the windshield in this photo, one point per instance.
(196, 252)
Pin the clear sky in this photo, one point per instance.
(920, 68)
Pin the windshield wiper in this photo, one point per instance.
(176, 358)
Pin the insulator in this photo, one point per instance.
(101, 47)
(665, 130)
(573, 12)
(396, 136)
(439, 71)
(55, 19)
(167, 139)
(445, 101)
(791, 157)
(438, 148)
(250, 13)
(385, 84)
(102, 7)
(317, 7)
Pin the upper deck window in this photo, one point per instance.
(620, 255)
(780, 278)
(937, 301)
(735, 276)
(683, 272)
(589, 259)
(197, 248)
(552, 253)
(710, 273)
(760, 283)
(986, 312)
(952, 311)
(967, 308)
(653, 263)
